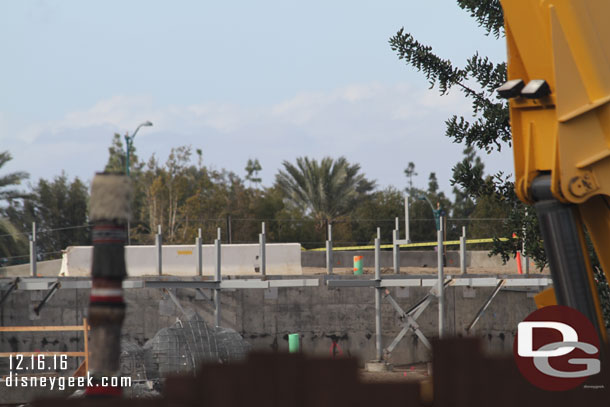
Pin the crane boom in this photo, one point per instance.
(559, 91)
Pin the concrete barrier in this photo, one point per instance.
(181, 260)
(409, 258)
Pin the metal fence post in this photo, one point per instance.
(407, 230)
(229, 231)
(396, 250)
(159, 244)
(262, 240)
(329, 250)
(378, 343)
(199, 253)
(33, 254)
(441, 280)
(463, 251)
(217, 277)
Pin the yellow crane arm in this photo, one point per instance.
(559, 91)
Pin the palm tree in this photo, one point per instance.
(326, 190)
(7, 192)
(10, 180)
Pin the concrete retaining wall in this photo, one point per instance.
(322, 316)
(181, 260)
(408, 258)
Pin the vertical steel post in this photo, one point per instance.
(33, 254)
(463, 251)
(378, 343)
(407, 231)
(329, 250)
(441, 280)
(159, 244)
(444, 220)
(525, 262)
(217, 277)
(262, 239)
(128, 143)
(396, 251)
(229, 231)
(217, 258)
(199, 253)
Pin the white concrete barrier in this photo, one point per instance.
(481, 259)
(181, 260)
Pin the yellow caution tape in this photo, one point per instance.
(424, 244)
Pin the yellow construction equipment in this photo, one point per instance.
(559, 91)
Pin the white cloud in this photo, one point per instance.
(382, 127)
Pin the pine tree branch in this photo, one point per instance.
(488, 14)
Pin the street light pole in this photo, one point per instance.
(436, 212)
(128, 143)
(128, 146)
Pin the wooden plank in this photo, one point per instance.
(41, 328)
(86, 338)
(28, 354)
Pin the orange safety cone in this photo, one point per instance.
(518, 258)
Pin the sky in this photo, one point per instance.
(272, 80)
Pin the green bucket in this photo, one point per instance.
(357, 265)
(294, 343)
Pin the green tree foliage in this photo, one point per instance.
(432, 183)
(182, 198)
(166, 190)
(386, 204)
(488, 129)
(464, 205)
(410, 173)
(8, 182)
(117, 157)
(59, 208)
(11, 241)
(253, 167)
(326, 190)
(10, 238)
(183, 195)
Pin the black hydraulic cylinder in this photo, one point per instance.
(564, 251)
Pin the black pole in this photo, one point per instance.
(229, 234)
